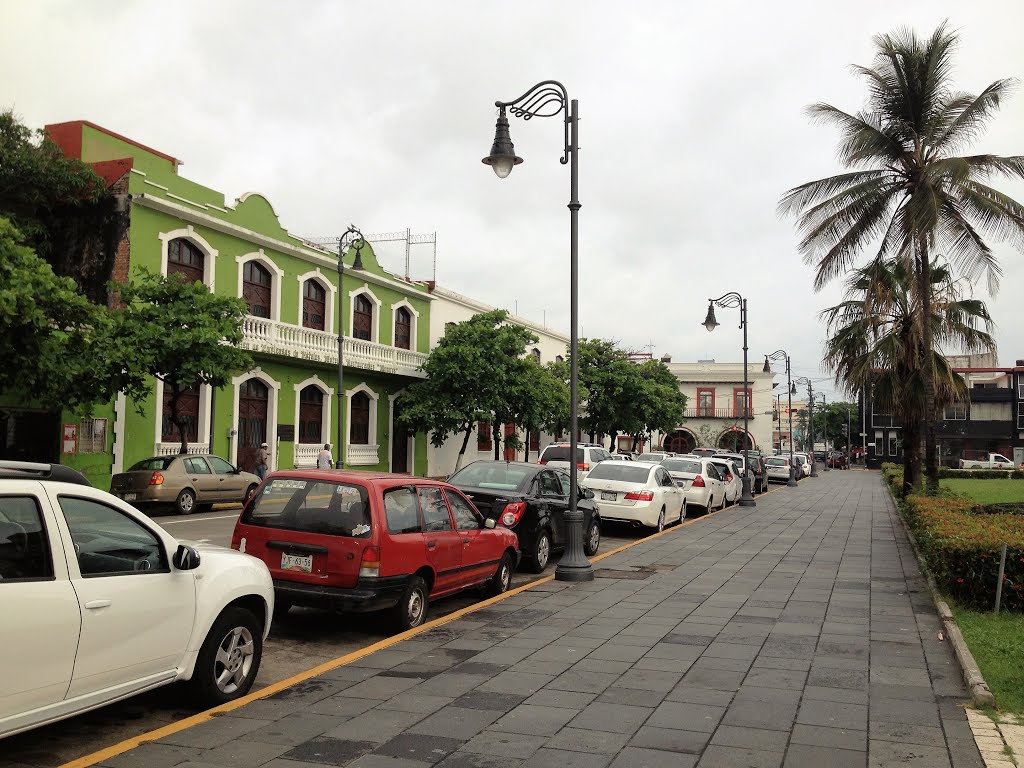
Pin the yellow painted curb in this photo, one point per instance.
(202, 717)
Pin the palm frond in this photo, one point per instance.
(965, 116)
(797, 199)
(863, 140)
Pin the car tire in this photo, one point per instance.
(185, 504)
(229, 659)
(502, 578)
(592, 541)
(541, 554)
(411, 610)
(682, 512)
(661, 521)
(249, 492)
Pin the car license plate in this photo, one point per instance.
(303, 563)
(129, 497)
(609, 495)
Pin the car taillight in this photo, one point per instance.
(728, 478)
(543, 461)
(512, 513)
(156, 479)
(369, 565)
(584, 467)
(639, 496)
(698, 482)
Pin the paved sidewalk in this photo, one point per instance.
(797, 633)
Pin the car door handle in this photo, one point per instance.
(93, 604)
(431, 545)
(465, 541)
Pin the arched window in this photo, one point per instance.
(256, 284)
(188, 412)
(362, 318)
(559, 359)
(359, 429)
(536, 354)
(311, 414)
(184, 258)
(314, 303)
(403, 328)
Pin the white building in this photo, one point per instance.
(716, 399)
(449, 307)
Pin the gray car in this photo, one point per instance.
(189, 482)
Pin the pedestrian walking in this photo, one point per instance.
(262, 461)
(323, 459)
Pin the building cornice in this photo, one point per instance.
(479, 306)
(313, 256)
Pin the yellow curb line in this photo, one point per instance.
(209, 714)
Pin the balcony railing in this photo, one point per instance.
(306, 454)
(171, 449)
(271, 337)
(716, 413)
(966, 428)
(991, 394)
(361, 455)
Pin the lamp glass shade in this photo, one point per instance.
(767, 368)
(502, 165)
(792, 389)
(710, 322)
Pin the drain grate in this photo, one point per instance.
(611, 573)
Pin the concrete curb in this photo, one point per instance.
(981, 695)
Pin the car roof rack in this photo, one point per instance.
(25, 470)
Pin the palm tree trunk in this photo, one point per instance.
(924, 286)
(911, 459)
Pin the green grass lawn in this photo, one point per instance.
(986, 491)
(997, 643)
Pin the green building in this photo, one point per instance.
(290, 398)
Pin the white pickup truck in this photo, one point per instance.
(993, 461)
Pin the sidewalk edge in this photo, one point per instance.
(981, 694)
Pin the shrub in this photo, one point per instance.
(961, 547)
(892, 474)
(981, 474)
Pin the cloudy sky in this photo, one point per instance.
(378, 113)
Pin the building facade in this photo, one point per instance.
(716, 401)
(290, 398)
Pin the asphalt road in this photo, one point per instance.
(301, 640)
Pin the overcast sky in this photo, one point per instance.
(378, 113)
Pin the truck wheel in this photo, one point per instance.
(229, 659)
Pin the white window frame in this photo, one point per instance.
(330, 288)
(414, 322)
(209, 252)
(392, 429)
(879, 444)
(88, 440)
(276, 279)
(372, 427)
(956, 409)
(892, 439)
(325, 413)
(375, 322)
(275, 392)
(202, 427)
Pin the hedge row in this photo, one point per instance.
(893, 474)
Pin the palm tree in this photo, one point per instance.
(909, 194)
(876, 342)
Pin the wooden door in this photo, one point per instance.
(253, 398)
(399, 441)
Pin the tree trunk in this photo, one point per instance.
(465, 442)
(924, 286)
(175, 420)
(911, 460)
(498, 440)
(611, 446)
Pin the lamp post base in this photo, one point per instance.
(814, 472)
(792, 480)
(574, 573)
(574, 565)
(747, 498)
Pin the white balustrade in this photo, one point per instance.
(172, 449)
(262, 335)
(360, 455)
(306, 454)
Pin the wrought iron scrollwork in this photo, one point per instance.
(546, 99)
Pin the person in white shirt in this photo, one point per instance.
(323, 459)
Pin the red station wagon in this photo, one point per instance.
(366, 541)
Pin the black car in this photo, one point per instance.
(531, 500)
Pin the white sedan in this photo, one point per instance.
(636, 492)
(108, 604)
(732, 478)
(778, 468)
(700, 480)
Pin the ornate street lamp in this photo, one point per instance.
(810, 418)
(780, 354)
(351, 238)
(729, 301)
(824, 405)
(550, 99)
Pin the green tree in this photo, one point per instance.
(876, 344)
(660, 403)
(910, 194)
(830, 423)
(57, 347)
(468, 377)
(182, 334)
(538, 399)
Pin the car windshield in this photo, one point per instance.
(313, 506)
(156, 462)
(681, 465)
(560, 453)
(655, 457)
(625, 471)
(492, 474)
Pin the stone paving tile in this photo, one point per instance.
(456, 722)
(149, 755)
(534, 720)
(821, 736)
(583, 740)
(716, 756)
(377, 726)
(810, 756)
(518, 745)
(889, 754)
(617, 718)
(215, 732)
(636, 757)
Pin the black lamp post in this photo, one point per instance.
(810, 419)
(351, 238)
(781, 354)
(824, 406)
(730, 300)
(550, 99)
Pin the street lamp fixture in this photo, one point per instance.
(352, 238)
(810, 418)
(731, 300)
(549, 98)
(781, 354)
